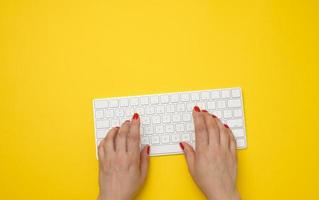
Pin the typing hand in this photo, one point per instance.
(213, 164)
(122, 166)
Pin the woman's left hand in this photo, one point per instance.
(122, 165)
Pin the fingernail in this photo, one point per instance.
(117, 127)
(181, 145)
(148, 149)
(127, 121)
(204, 111)
(196, 108)
(214, 116)
(135, 116)
(226, 125)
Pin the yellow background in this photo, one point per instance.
(56, 56)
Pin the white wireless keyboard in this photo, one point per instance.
(166, 119)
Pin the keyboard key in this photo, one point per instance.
(227, 114)
(99, 114)
(164, 99)
(176, 117)
(186, 137)
(113, 103)
(170, 108)
(129, 112)
(184, 97)
(100, 104)
(169, 128)
(154, 99)
(234, 103)
(195, 97)
(159, 129)
(144, 100)
(165, 139)
(180, 127)
(145, 120)
(235, 123)
(156, 119)
(115, 122)
(123, 102)
(190, 127)
(139, 110)
(241, 143)
(149, 110)
(119, 112)
(238, 132)
(214, 94)
(180, 107)
(100, 133)
(225, 93)
(186, 117)
(190, 106)
(174, 98)
(166, 118)
(145, 140)
(175, 138)
(165, 149)
(102, 123)
(155, 140)
(201, 105)
(205, 95)
(221, 104)
(134, 101)
(235, 93)
(238, 113)
(218, 113)
(211, 105)
(148, 130)
(160, 109)
(109, 113)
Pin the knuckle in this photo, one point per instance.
(200, 128)
(134, 137)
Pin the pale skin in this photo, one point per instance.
(212, 164)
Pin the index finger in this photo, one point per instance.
(201, 135)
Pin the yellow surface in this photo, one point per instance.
(56, 56)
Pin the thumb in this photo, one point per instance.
(145, 159)
(189, 155)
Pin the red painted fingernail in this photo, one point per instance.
(135, 116)
(196, 108)
(204, 111)
(181, 145)
(226, 125)
(148, 149)
(214, 116)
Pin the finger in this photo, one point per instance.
(224, 135)
(212, 128)
(100, 150)
(201, 135)
(133, 141)
(189, 155)
(232, 142)
(109, 140)
(121, 137)
(145, 159)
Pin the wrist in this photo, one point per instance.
(232, 196)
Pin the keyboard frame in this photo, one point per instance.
(170, 93)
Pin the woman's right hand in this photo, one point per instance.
(213, 163)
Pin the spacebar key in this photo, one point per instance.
(165, 149)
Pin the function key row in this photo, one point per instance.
(167, 98)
